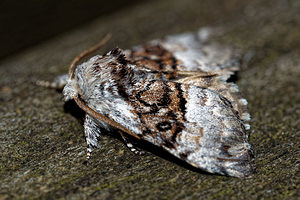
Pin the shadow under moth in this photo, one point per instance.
(172, 93)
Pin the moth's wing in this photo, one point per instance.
(227, 89)
(197, 53)
(194, 124)
(192, 59)
(186, 52)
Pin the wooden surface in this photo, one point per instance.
(41, 140)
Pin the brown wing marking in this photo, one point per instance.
(157, 58)
(161, 107)
(153, 57)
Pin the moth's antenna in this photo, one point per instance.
(102, 118)
(79, 57)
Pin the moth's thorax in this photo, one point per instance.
(103, 77)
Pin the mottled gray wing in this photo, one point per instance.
(186, 52)
(196, 52)
(194, 124)
(187, 57)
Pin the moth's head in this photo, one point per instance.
(69, 90)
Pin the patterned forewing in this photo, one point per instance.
(160, 106)
(194, 124)
(192, 53)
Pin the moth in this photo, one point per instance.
(172, 93)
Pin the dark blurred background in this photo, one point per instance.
(25, 23)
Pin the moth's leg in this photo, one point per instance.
(58, 83)
(91, 132)
(132, 148)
